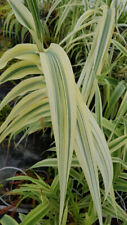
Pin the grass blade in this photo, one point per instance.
(22, 88)
(8, 220)
(17, 52)
(19, 70)
(85, 153)
(61, 90)
(98, 52)
(36, 214)
(22, 14)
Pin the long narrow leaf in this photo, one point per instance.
(36, 214)
(24, 105)
(99, 49)
(18, 51)
(18, 71)
(61, 90)
(23, 14)
(34, 113)
(22, 88)
(85, 152)
(34, 9)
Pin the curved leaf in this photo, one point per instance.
(19, 52)
(85, 151)
(61, 90)
(22, 14)
(8, 220)
(22, 88)
(18, 71)
(23, 105)
(33, 113)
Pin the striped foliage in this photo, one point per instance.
(54, 96)
(19, 70)
(95, 60)
(28, 19)
(61, 91)
(21, 51)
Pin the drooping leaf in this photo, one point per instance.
(30, 115)
(19, 52)
(61, 91)
(84, 148)
(18, 71)
(23, 106)
(22, 88)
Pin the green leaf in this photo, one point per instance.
(120, 185)
(79, 26)
(53, 163)
(36, 214)
(30, 115)
(102, 153)
(54, 5)
(65, 214)
(39, 182)
(98, 106)
(109, 210)
(120, 161)
(63, 17)
(7, 220)
(123, 106)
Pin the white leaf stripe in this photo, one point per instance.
(85, 154)
(24, 104)
(53, 162)
(67, 99)
(22, 13)
(60, 84)
(60, 96)
(22, 88)
(19, 50)
(32, 114)
(99, 49)
(34, 8)
(102, 153)
(18, 71)
(91, 169)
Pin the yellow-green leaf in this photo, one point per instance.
(61, 91)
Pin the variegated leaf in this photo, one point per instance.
(18, 71)
(61, 90)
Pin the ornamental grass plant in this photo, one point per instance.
(72, 76)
